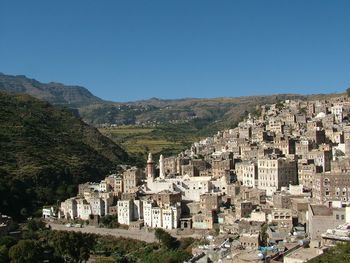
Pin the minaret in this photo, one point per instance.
(150, 168)
(161, 167)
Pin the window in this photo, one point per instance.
(337, 217)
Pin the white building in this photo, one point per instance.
(69, 209)
(83, 209)
(125, 211)
(247, 173)
(167, 217)
(337, 111)
(129, 210)
(49, 212)
(274, 173)
(97, 206)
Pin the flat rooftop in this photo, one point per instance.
(321, 210)
(304, 253)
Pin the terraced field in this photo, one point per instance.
(165, 139)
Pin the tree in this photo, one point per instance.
(7, 241)
(339, 253)
(166, 239)
(4, 254)
(109, 221)
(35, 225)
(264, 235)
(72, 246)
(26, 251)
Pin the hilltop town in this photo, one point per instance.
(276, 187)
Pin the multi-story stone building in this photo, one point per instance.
(221, 167)
(166, 217)
(321, 159)
(209, 202)
(129, 210)
(166, 197)
(306, 174)
(331, 186)
(273, 173)
(247, 173)
(131, 179)
(69, 209)
(203, 221)
(282, 217)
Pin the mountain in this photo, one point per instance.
(205, 115)
(45, 151)
(55, 93)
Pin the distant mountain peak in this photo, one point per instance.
(53, 92)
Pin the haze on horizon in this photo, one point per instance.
(132, 50)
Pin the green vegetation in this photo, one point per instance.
(166, 239)
(74, 247)
(55, 93)
(263, 235)
(109, 221)
(171, 125)
(26, 251)
(167, 139)
(45, 152)
(348, 92)
(340, 253)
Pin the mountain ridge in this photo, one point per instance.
(53, 92)
(149, 112)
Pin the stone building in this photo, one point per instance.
(321, 158)
(273, 173)
(247, 173)
(129, 210)
(166, 217)
(331, 186)
(321, 218)
(243, 209)
(131, 179)
(282, 218)
(118, 185)
(250, 240)
(221, 167)
(203, 221)
(209, 202)
(306, 174)
(302, 147)
(69, 208)
(166, 197)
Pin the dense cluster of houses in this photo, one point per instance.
(286, 167)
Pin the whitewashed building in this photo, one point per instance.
(129, 210)
(167, 217)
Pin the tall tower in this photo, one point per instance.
(161, 167)
(150, 167)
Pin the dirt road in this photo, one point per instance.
(142, 235)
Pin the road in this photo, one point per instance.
(141, 235)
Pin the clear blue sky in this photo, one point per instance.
(127, 50)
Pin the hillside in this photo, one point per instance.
(45, 152)
(164, 120)
(206, 115)
(55, 93)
